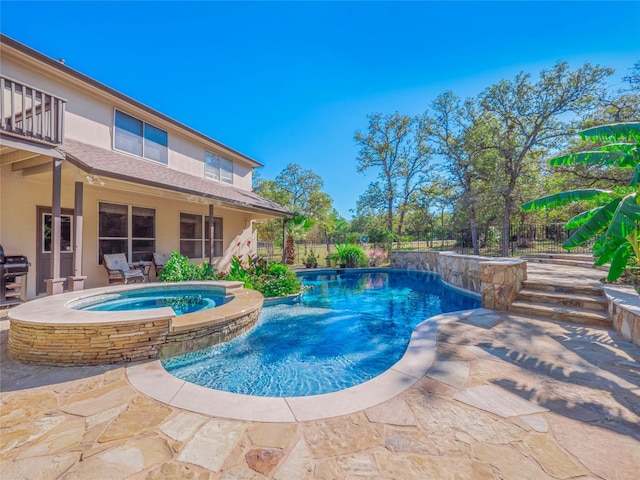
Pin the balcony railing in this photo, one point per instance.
(30, 113)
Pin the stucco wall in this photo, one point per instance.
(21, 195)
(89, 118)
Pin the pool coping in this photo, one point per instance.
(151, 379)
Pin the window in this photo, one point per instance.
(191, 235)
(66, 244)
(218, 168)
(126, 229)
(194, 233)
(139, 138)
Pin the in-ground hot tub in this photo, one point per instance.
(55, 330)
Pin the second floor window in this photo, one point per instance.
(218, 168)
(140, 138)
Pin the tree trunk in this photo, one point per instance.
(474, 231)
(390, 215)
(400, 223)
(506, 226)
(290, 256)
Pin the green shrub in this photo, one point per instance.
(179, 269)
(277, 270)
(270, 279)
(352, 255)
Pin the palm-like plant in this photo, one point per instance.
(296, 228)
(614, 224)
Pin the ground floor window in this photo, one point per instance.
(66, 230)
(126, 229)
(194, 235)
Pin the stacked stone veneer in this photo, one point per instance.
(496, 280)
(95, 343)
(624, 310)
(86, 344)
(192, 339)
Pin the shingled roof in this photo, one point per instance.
(98, 161)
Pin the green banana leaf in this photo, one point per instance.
(619, 262)
(608, 159)
(613, 132)
(636, 177)
(598, 223)
(605, 253)
(625, 218)
(562, 198)
(579, 219)
(619, 147)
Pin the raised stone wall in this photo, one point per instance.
(497, 280)
(64, 336)
(501, 280)
(197, 338)
(624, 311)
(86, 344)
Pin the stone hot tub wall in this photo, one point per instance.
(496, 280)
(46, 332)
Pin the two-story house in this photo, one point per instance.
(86, 170)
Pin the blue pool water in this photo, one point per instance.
(182, 300)
(346, 330)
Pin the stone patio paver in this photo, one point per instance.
(451, 372)
(508, 397)
(497, 400)
(213, 442)
(393, 412)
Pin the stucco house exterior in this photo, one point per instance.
(86, 170)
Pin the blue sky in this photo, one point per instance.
(291, 82)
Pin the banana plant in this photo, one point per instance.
(614, 223)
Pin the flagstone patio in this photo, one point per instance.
(509, 397)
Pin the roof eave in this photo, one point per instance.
(280, 213)
(50, 62)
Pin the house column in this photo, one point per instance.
(55, 283)
(211, 233)
(76, 281)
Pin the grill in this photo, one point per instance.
(12, 268)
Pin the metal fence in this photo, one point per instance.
(523, 239)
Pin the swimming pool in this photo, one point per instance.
(181, 299)
(347, 329)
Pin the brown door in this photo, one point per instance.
(43, 246)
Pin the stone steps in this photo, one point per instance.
(583, 257)
(569, 260)
(565, 314)
(566, 299)
(557, 287)
(571, 300)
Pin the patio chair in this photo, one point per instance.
(119, 270)
(159, 261)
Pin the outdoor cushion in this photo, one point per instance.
(119, 269)
(160, 260)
